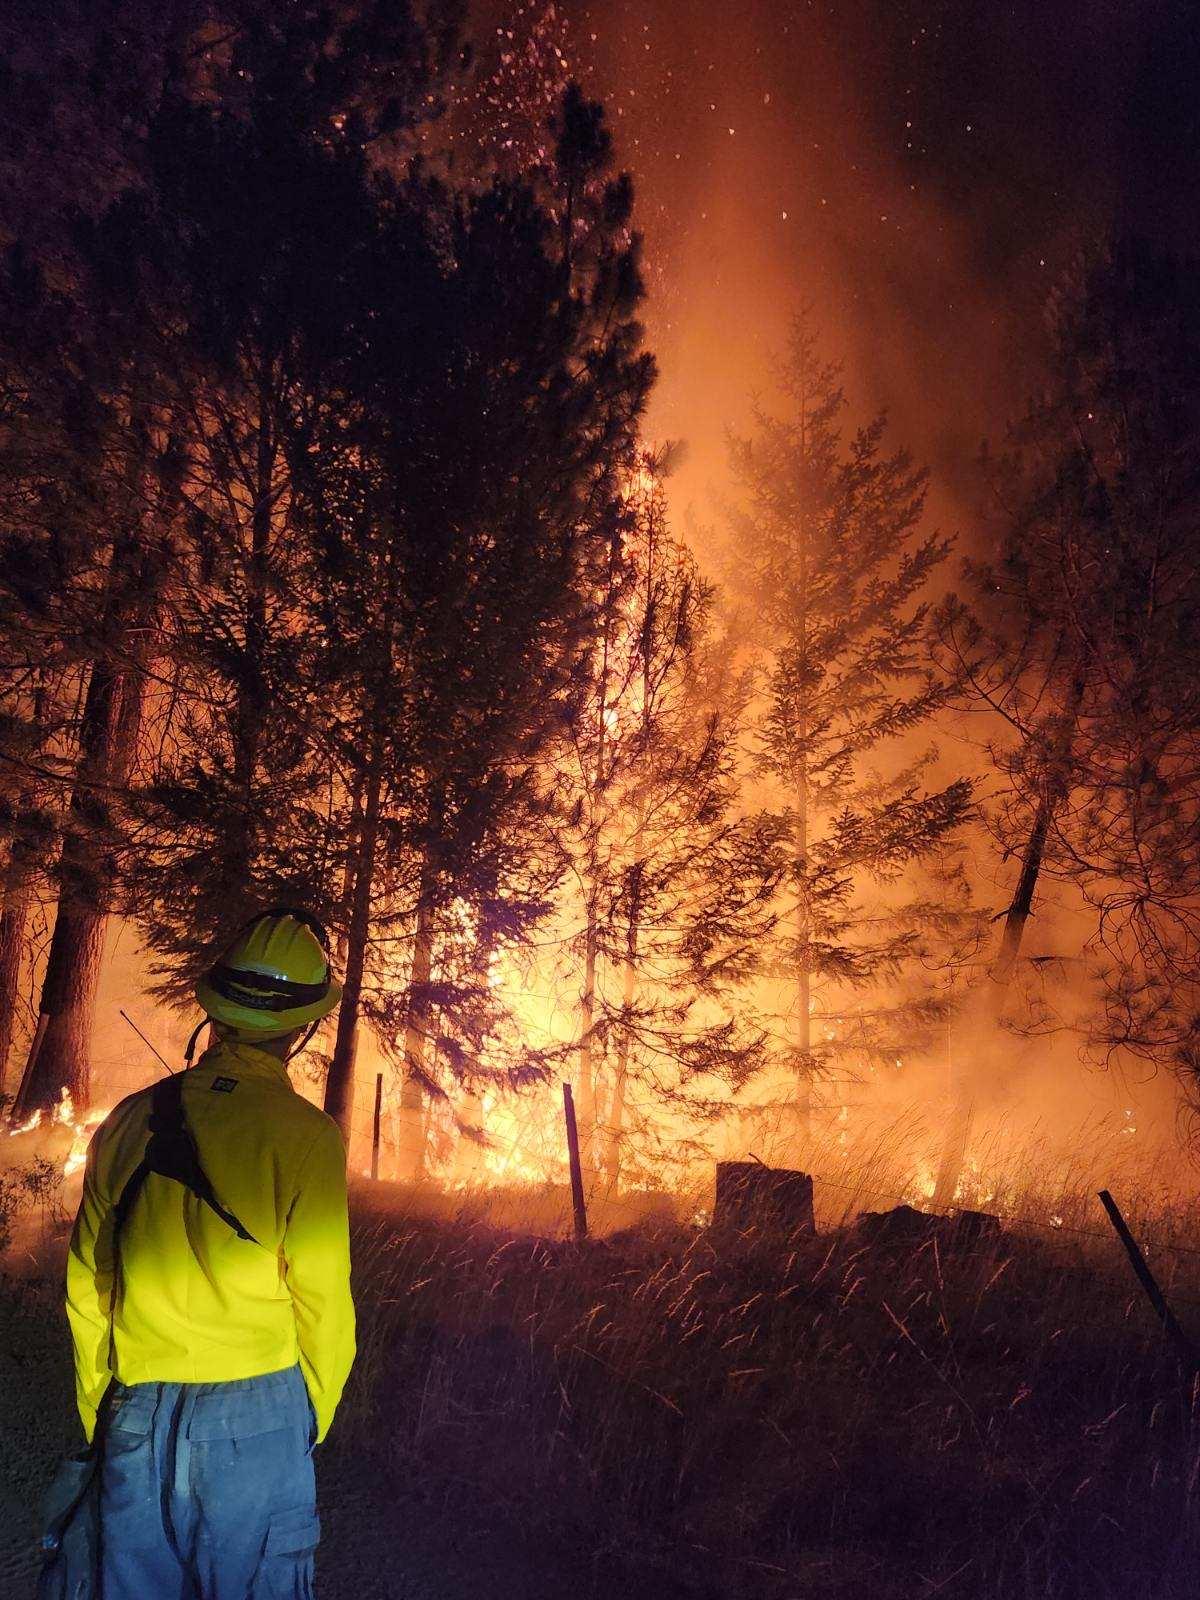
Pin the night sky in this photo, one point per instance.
(918, 172)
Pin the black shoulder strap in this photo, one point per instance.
(171, 1151)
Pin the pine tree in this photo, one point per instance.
(832, 561)
(674, 887)
(1079, 635)
(85, 489)
(258, 203)
(510, 370)
(150, 408)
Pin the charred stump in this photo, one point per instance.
(751, 1196)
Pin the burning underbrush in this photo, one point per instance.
(41, 1158)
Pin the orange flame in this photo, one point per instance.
(64, 1116)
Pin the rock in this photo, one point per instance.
(907, 1227)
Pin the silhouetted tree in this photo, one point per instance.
(458, 492)
(258, 201)
(85, 494)
(1080, 634)
(131, 403)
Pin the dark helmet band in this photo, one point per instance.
(260, 992)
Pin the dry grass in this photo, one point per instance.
(788, 1418)
(669, 1415)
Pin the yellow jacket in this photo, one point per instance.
(198, 1304)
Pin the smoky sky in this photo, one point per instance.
(919, 173)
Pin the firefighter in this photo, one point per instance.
(208, 1292)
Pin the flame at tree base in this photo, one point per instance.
(64, 1118)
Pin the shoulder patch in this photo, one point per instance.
(225, 1085)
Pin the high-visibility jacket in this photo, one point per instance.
(196, 1303)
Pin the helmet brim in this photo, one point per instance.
(267, 1024)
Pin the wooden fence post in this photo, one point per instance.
(577, 1200)
(1184, 1347)
(375, 1129)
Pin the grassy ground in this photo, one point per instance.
(812, 1420)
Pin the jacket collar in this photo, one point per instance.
(235, 1056)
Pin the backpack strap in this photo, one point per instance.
(171, 1152)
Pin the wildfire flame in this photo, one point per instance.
(924, 1182)
(64, 1116)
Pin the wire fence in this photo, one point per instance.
(363, 1128)
(1013, 1218)
(362, 1122)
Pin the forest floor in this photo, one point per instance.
(671, 1417)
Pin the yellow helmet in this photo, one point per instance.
(274, 977)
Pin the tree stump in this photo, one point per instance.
(972, 1229)
(751, 1196)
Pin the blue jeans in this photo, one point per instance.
(207, 1491)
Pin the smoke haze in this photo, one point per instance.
(919, 172)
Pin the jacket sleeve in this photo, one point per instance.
(90, 1291)
(316, 1250)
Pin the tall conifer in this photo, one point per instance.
(832, 559)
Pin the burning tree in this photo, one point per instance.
(831, 561)
(671, 888)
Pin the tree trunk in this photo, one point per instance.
(802, 1024)
(339, 1086)
(253, 702)
(326, 1036)
(984, 1014)
(469, 1154)
(614, 1125)
(111, 720)
(367, 797)
(412, 1129)
(1018, 914)
(587, 1057)
(595, 783)
(17, 894)
(803, 1021)
(25, 859)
